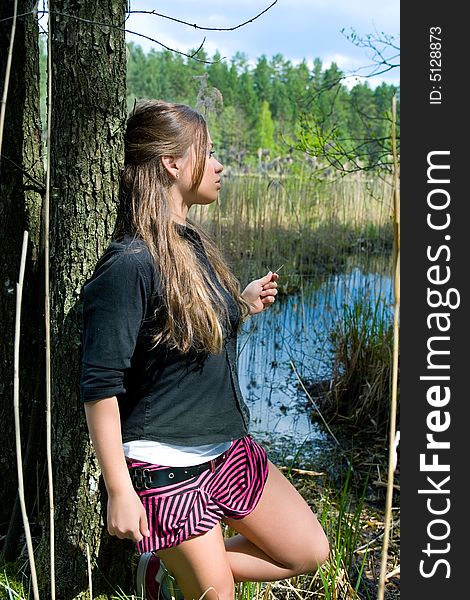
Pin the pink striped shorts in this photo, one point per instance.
(179, 511)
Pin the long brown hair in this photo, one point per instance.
(195, 312)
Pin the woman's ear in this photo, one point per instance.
(171, 164)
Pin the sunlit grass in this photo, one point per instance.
(307, 225)
(360, 386)
(343, 515)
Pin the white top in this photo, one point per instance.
(172, 455)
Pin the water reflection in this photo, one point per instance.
(295, 331)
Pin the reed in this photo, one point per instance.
(359, 392)
(308, 224)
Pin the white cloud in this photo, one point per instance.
(344, 62)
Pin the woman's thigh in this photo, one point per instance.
(284, 526)
(199, 564)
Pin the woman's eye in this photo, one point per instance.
(211, 153)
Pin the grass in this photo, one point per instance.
(308, 225)
(346, 518)
(13, 582)
(360, 387)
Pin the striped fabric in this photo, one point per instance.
(182, 510)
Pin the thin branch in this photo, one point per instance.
(16, 407)
(47, 314)
(393, 407)
(195, 26)
(38, 185)
(313, 402)
(125, 30)
(152, 12)
(378, 43)
(3, 106)
(17, 16)
(118, 27)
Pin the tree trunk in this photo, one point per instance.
(88, 117)
(21, 190)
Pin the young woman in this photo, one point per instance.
(160, 387)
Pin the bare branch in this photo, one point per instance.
(125, 30)
(153, 12)
(92, 22)
(385, 55)
(38, 185)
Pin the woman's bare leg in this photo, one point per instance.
(279, 539)
(200, 565)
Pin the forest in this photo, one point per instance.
(273, 105)
(270, 112)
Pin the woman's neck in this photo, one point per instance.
(178, 208)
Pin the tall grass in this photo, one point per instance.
(362, 340)
(308, 225)
(342, 574)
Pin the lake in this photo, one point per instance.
(295, 331)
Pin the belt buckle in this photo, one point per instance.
(141, 479)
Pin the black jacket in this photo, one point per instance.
(164, 395)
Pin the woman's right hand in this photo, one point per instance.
(126, 516)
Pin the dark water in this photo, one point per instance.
(294, 331)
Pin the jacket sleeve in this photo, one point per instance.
(115, 303)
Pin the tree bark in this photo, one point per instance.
(21, 190)
(88, 118)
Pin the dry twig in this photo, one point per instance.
(301, 471)
(393, 408)
(16, 406)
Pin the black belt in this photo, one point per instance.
(144, 479)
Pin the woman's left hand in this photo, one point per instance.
(261, 293)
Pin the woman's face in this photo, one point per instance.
(209, 187)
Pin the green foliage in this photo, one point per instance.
(265, 128)
(341, 520)
(275, 105)
(11, 586)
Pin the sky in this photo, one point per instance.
(297, 29)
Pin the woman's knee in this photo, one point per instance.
(219, 591)
(311, 555)
(319, 550)
(319, 554)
